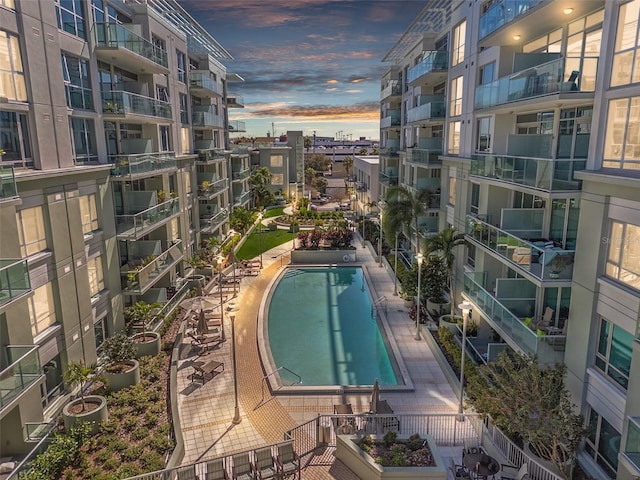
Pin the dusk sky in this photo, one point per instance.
(308, 64)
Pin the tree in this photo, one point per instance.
(363, 151)
(320, 184)
(347, 163)
(532, 404)
(318, 161)
(404, 208)
(309, 175)
(444, 244)
(142, 313)
(307, 143)
(78, 374)
(241, 219)
(375, 150)
(259, 182)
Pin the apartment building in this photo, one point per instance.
(114, 168)
(539, 170)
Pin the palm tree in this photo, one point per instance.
(78, 374)
(364, 151)
(307, 143)
(259, 182)
(347, 163)
(444, 244)
(404, 207)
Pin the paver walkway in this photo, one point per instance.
(206, 410)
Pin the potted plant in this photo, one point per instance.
(435, 278)
(141, 314)
(294, 226)
(205, 186)
(122, 370)
(162, 196)
(87, 408)
(557, 264)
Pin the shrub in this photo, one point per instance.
(389, 438)
(111, 464)
(414, 442)
(117, 350)
(160, 443)
(133, 452)
(366, 443)
(153, 461)
(129, 423)
(140, 433)
(129, 470)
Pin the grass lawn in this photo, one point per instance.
(273, 212)
(251, 248)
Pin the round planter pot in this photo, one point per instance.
(97, 412)
(445, 321)
(118, 381)
(437, 309)
(147, 343)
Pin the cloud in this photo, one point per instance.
(353, 91)
(331, 89)
(332, 81)
(357, 80)
(362, 111)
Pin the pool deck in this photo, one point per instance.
(206, 409)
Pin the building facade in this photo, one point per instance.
(538, 128)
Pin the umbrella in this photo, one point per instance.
(375, 396)
(202, 327)
(200, 303)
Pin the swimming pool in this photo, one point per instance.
(320, 325)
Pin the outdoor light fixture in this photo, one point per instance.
(517, 37)
(568, 11)
(419, 258)
(466, 308)
(236, 412)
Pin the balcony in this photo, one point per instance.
(234, 100)
(14, 280)
(134, 226)
(540, 259)
(391, 119)
(129, 167)
(240, 200)
(503, 12)
(632, 445)
(23, 371)
(240, 175)
(391, 90)
(116, 43)
(389, 177)
(206, 119)
(211, 155)
(238, 150)
(427, 226)
(119, 104)
(430, 184)
(8, 189)
(390, 150)
(209, 223)
(427, 112)
(563, 76)
(237, 126)
(361, 187)
(213, 187)
(202, 85)
(549, 349)
(434, 61)
(540, 173)
(427, 158)
(140, 274)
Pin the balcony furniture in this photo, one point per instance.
(522, 255)
(544, 322)
(470, 446)
(216, 470)
(204, 370)
(458, 471)
(288, 461)
(481, 465)
(344, 425)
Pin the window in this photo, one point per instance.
(622, 137)
(626, 57)
(88, 213)
(549, 43)
(623, 260)
(182, 66)
(158, 42)
(455, 107)
(12, 83)
(603, 443)
(184, 140)
(83, 139)
(100, 331)
(14, 139)
(8, 4)
(42, 310)
(105, 13)
(277, 179)
(453, 145)
(475, 198)
(165, 143)
(459, 34)
(613, 356)
(70, 17)
(277, 160)
(75, 72)
(452, 188)
(31, 233)
(96, 277)
(574, 132)
(487, 73)
(483, 143)
(184, 109)
(535, 123)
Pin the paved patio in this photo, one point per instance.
(206, 410)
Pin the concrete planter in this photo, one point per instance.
(323, 257)
(364, 466)
(445, 321)
(97, 415)
(150, 346)
(437, 309)
(118, 381)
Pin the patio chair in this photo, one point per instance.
(242, 468)
(471, 445)
(545, 321)
(458, 471)
(509, 472)
(288, 461)
(187, 473)
(265, 465)
(216, 470)
(344, 425)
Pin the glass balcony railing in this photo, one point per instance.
(240, 150)
(540, 258)
(428, 226)
(241, 174)
(389, 178)
(391, 119)
(211, 155)
(210, 222)
(119, 102)
(541, 173)
(14, 279)
(210, 185)
(234, 100)
(428, 111)
(394, 88)
(552, 77)
(23, 370)
(137, 280)
(424, 157)
(133, 225)
(8, 187)
(503, 12)
(389, 151)
(548, 348)
(202, 80)
(632, 445)
(115, 35)
(142, 163)
(206, 119)
(237, 126)
(433, 61)
(241, 199)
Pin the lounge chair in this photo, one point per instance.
(265, 465)
(242, 467)
(216, 470)
(387, 423)
(209, 368)
(288, 461)
(509, 472)
(204, 342)
(545, 322)
(344, 425)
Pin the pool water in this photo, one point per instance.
(321, 326)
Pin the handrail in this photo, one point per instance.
(273, 372)
(380, 302)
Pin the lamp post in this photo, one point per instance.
(220, 258)
(260, 236)
(395, 268)
(419, 258)
(466, 308)
(354, 206)
(363, 220)
(236, 411)
(381, 206)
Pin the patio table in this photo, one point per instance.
(481, 465)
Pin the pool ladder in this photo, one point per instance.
(293, 272)
(265, 377)
(379, 304)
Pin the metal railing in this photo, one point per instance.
(8, 187)
(380, 304)
(23, 371)
(131, 225)
(138, 280)
(203, 81)
(241, 174)
(424, 157)
(142, 163)
(233, 99)
(14, 279)
(115, 35)
(207, 119)
(503, 12)
(211, 155)
(391, 119)
(273, 372)
(239, 200)
(394, 88)
(120, 102)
